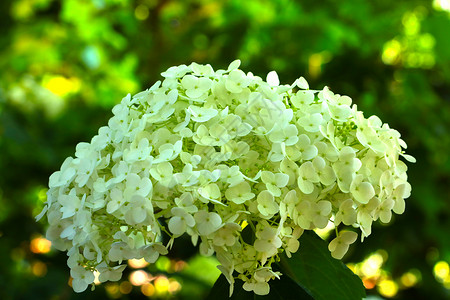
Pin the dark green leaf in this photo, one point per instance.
(313, 268)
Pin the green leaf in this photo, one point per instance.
(313, 268)
(284, 288)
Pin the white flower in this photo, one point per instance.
(302, 98)
(259, 288)
(162, 173)
(305, 150)
(110, 273)
(267, 241)
(141, 152)
(195, 87)
(346, 213)
(137, 210)
(274, 181)
(180, 221)
(339, 245)
(311, 122)
(266, 203)
(384, 211)
(320, 212)
(207, 222)
(176, 72)
(151, 252)
(201, 70)
(226, 235)
(70, 204)
(272, 78)
(186, 202)
(287, 135)
(81, 278)
(236, 81)
(202, 114)
(239, 193)
(120, 251)
(307, 177)
(206, 153)
(361, 190)
(135, 185)
(64, 176)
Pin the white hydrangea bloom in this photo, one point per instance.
(207, 152)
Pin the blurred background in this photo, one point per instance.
(65, 63)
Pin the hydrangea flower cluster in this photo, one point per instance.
(206, 153)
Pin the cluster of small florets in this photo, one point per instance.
(207, 153)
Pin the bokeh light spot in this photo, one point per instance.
(61, 86)
(137, 263)
(174, 286)
(113, 290)
(371, 266)
(42, 194)
(148, 289)
(141, 12)
(40, 245)
(441, 271)
(38, 268)
(441, 5)
(410, 278)
(316, 61)
(162, 284)
(125, 287)
(391, 52)
(139, 277)
(388, 288)
(179, 266)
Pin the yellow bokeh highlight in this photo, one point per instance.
(141, 12)
(137, 263)
(447, 283)
(61, 86)
(148, 289)
(410, 278)
(174, 286)
(125, 287)
(161, 284)
(139, 277)
(22, 9)
(42, 194)
(371, 267)
(391, 52)
(441, 270)
(413, 49)
(113, 290)
(411, 23)
(40, 245)
(38, 268)
(388, 288)
(316, 61)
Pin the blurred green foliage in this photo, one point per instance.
(65, 63)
